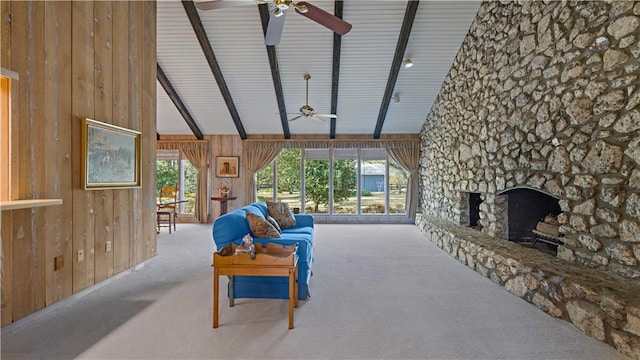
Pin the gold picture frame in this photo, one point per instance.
(110, 156)
(227, 166)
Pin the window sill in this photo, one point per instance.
(27, 204)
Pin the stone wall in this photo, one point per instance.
(544, 95)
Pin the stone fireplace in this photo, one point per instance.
(524, 208)
(540, 114)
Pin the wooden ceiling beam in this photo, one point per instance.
(275, 72)
(335, 78)
(403, 39)
(203, 39)
(177, 101)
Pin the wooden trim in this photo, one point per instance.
(10, 74)
(275, 72)
(27, 204)
(5, 138)
(403, 39)
(177, 101)
(335, 78)
(203, 39)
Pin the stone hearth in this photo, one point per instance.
(603, 306)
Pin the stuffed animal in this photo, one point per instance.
(247, 247)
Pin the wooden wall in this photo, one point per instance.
(74, 59)
(227, 145)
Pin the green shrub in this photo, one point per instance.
(366, 193)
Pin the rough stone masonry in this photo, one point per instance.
(545, 94)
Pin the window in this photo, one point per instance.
(373, 181)
(316, 181)
(172, 168)
(335, 181)
(345, 181)
(398, 184)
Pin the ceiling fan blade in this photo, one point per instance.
(296, 118)
(274, 29)
(220, 4)
(319, 119)
(330, 116)
(324, 18)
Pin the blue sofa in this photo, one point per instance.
(232, 226)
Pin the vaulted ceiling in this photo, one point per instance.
(217, 77)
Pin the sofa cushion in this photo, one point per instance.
(254, 210)
(273, 222)
(263, 208)
(260, 227)
(281, 212)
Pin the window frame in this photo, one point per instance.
(331, 154)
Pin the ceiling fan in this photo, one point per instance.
(276, 20)
(307, 111)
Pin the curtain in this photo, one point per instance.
(256, 159)
(408, 157)
(197, 154)
(355, 143)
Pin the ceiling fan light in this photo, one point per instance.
(408, 63)
(302, 8)
(277, 12)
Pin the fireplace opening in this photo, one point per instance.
(531, 217)
(474, 210)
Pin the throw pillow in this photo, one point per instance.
(281, 212)
(273, 222)
(260, 227)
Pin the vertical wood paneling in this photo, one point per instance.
(5, 35)
(122, 228)
(226, 145)
(6, 217)
(6, 236)
(83, 106)
(57, 87)
(149, 127)
(136, 19)
(103, 106)
(38, 173)
(28, 255)
(75, 59)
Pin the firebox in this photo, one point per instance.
(525, 208)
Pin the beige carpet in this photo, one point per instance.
(378, 292)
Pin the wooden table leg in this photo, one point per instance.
(215, 297)
(292, 296)
(231, 294)
(295, 287)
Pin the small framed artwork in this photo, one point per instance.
(110, 156)
(227, 166)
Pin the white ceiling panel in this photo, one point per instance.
(167, 115)
(436, 36)
(236, 38)
(367, 52)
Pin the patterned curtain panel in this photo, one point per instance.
(257, 159)
(408, 157)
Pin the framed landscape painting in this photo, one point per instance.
(110, 156)
(227, 166)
